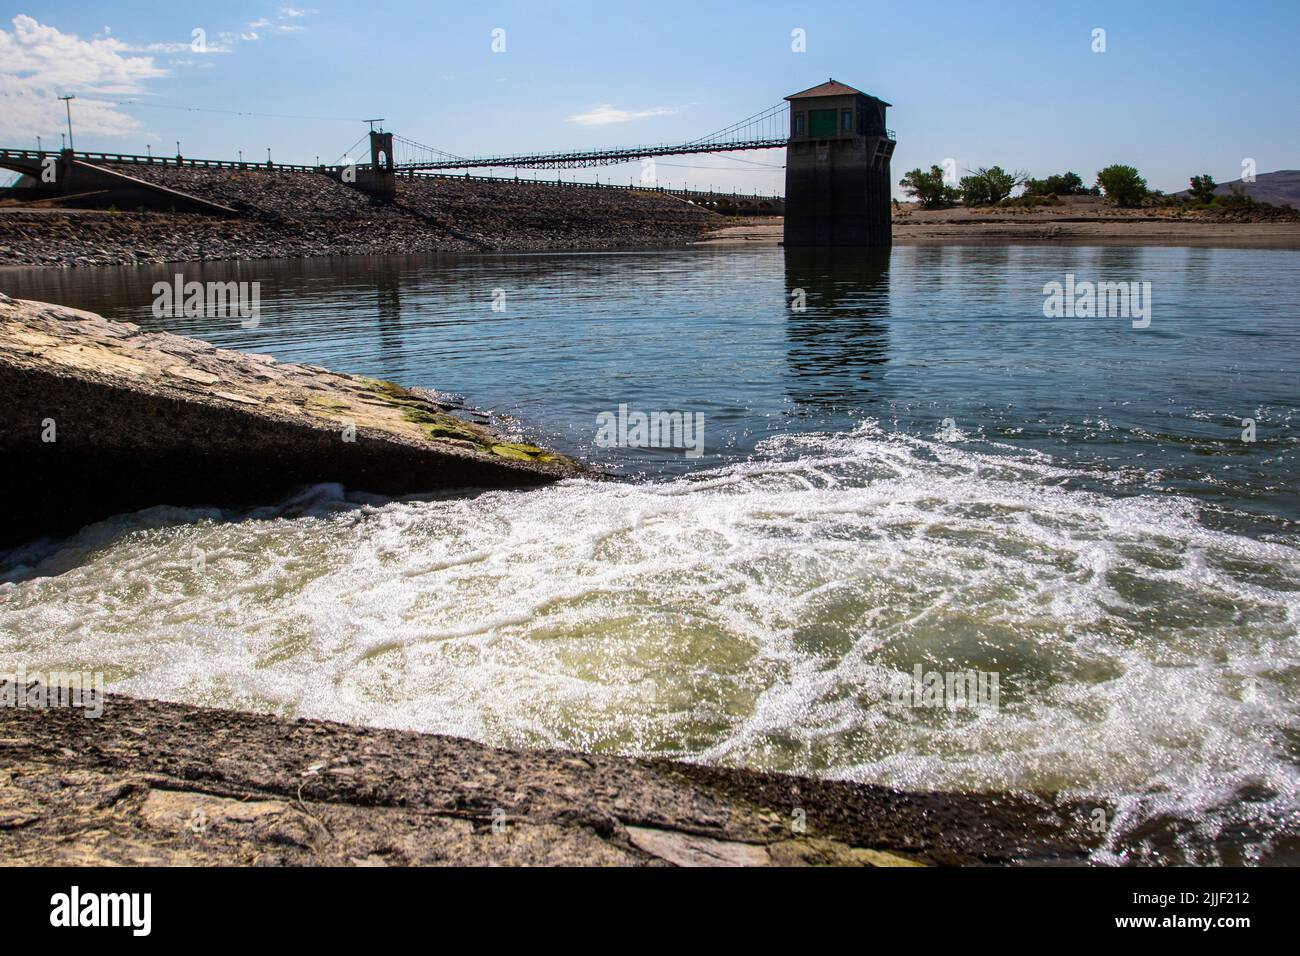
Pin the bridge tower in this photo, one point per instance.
(380, 177)
(837, 182)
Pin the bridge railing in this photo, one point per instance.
(134, 159)
(26, 153)
(179, 161)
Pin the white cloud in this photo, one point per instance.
(187, 46)
(606, 113)
(280, 24)
(38, 63)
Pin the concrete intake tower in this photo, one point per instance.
(837, 182)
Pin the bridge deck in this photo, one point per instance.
(28, 160)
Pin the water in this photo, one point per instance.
(1089, 525)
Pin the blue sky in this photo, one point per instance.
(1182, 87)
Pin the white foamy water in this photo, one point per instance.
(755, 615)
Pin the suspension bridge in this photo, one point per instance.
(837, 151)
(393, 155)
(768, 129)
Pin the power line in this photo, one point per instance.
(207, 109)
(735, 159)
(716, 169)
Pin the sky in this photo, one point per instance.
(1179, 88)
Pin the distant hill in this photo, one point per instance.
(1281, 188)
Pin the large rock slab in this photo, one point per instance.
(102, 418)
(162, 783)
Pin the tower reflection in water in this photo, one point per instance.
(837, 306)
(387, 276)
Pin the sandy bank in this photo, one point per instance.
(158, 783)
(961, 226)
(102, 418)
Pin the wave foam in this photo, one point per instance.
(756, 615)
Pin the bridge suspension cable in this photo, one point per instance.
(764, 130)
(771, 123)
(409, 151)
(346, 156)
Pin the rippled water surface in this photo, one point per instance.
(1089, 524)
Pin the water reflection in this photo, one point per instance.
(840, 338)
(388, 306)
(909, 337)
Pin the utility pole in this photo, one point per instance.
(67, 104)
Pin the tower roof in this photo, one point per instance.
(833, 87)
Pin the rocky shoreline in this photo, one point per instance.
(158, 783)
(295, 215)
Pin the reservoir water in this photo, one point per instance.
(907, 468)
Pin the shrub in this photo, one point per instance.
(928, 187)
(988, 185)
(1123, 185)
(1062, 184)
(1203, 188)
(1235, 198)
(1028, 201)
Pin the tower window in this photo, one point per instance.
(846, 121)
(798, 124)
(821, 123)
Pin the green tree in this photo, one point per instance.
(928, 188)
(1062, 184)
(1203, 188)
(988, 185)
(1123, 184)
